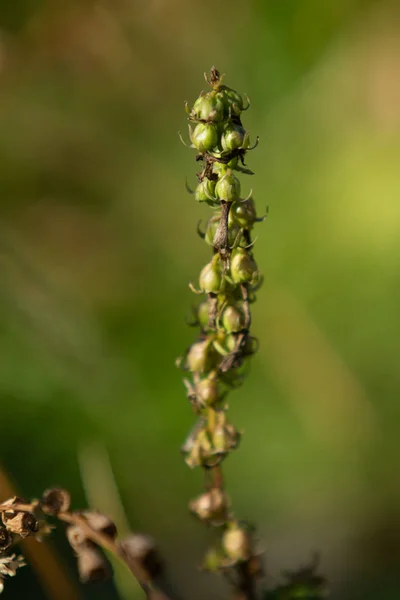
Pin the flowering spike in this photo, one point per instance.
(215, 363)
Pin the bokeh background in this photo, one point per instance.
(98, 243)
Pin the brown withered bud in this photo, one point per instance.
(77, 538)
(54, 501)
(21, 523)
(6, 539)
(142, 548)
(92, 566)
(100, 523)
(212, 506)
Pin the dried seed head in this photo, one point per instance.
(142, 548)
(92, 565)
(20, 523)
(101, 523)
(211, 506)
(6, 539)
(54, 501)
(77, 538)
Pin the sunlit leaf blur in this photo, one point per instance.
(98, 243)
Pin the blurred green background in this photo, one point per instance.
(98, 243)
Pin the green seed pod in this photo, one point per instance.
(233, 137)
(202, 315)
(228, 187)
(236, 543)
(200, 357)
(208, 391)
(208, 107)
(213, 560)
(205, 191)
(212, 226)
(233, 101)
(204, 137)
(243, 213)
(232, 319)
(211, 277)
(250, 345)
(243, 267)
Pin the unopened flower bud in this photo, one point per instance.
(237, 542)
(228, 187)
(233, 137)
(208, 107)
(142, 548)
(204, 137)
(211, 506)
(100, 523)
(55, 500)
(243, 267)
(211, 277)
(200, 357)
(92, 565)
(243, 213)
(232, 319)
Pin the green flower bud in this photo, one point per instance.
(228, 187)
(232, 319)
(208, 392)
(200, 357)
(211, 277)
(234, 137)
(204, 137)
(243, 267)
(205, 191)
(208, 107)
(236, 543)
(243, 213)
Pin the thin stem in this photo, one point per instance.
(105, 541)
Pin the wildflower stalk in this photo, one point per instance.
(216, 362)
(87, 531)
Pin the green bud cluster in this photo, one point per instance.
(216, 362)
